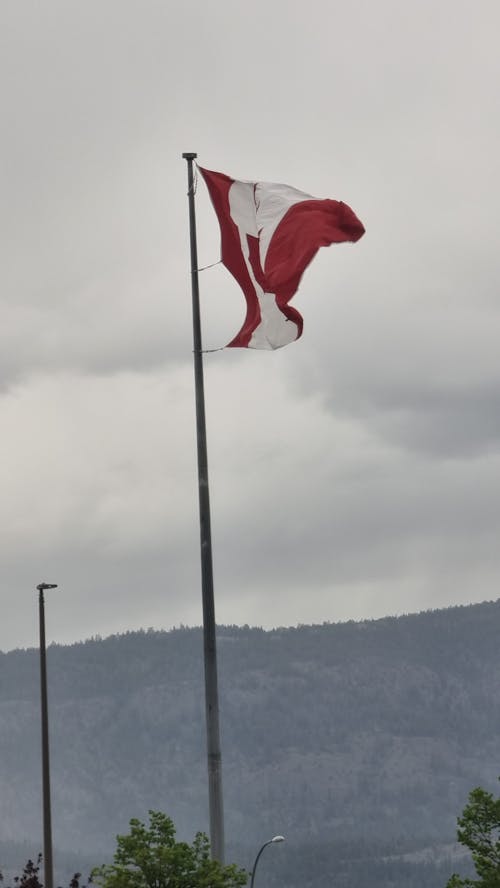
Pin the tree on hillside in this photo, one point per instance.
(29, 876)
(150, 857)
(479, 830)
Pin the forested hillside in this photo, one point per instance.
(359, 742)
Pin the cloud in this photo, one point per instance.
(352, 474)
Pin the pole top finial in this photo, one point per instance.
(189, 155)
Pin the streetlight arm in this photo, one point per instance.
(270, 842)
(257, 860)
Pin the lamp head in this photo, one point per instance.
(42, 586)
(278, 839)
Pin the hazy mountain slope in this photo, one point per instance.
(357, 739)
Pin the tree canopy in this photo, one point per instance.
(479, 830)
(150, 857)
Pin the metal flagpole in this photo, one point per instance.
(207, 586)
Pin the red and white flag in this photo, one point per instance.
(270, 233)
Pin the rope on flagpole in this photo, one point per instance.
(193, 188)
(204, 267)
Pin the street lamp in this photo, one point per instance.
(270, 842)
(48, 868)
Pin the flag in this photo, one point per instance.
(270, 233)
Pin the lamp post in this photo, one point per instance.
(270, 842)
(48, 868)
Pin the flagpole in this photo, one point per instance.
(215, 802)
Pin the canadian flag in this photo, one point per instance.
(270, 233)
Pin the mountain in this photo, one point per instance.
(358, 741)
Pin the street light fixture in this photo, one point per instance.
(272, 841)
(48, 868)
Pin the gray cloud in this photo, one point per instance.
(353, 474)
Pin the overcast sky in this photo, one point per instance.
(354, 473)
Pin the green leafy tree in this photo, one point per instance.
(479, 830)
(150, 857)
